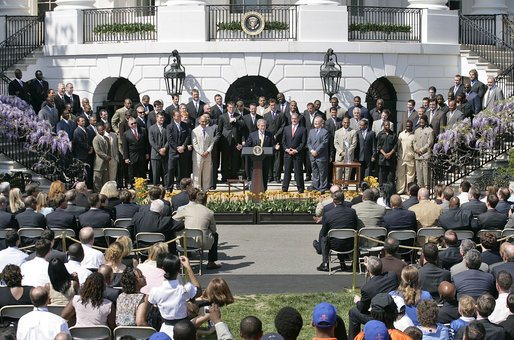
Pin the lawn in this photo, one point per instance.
(266, 306)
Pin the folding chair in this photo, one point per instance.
(194, 238)
(56, 309)
(92, 332)
(497, 233)
(113, 233)
(29, 236)
(99, 237)
(405, 237)
(122, 222)
(464, 234)
(367, 246)
(341, 234)
(508, 232)
(14, 313)
(146, 239)
(431, 232)
(138, 332)
(3, 233)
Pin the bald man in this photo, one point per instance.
(110, 293)
(508, 265)
(427, 212)
(92, 258)
(75, 257)
(63, 336)
(457, 218)
(450, 309)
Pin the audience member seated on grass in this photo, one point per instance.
(472, 281)
(113, 256)
(450, 308)
(63, 285)
(35, 271)
(171, 296)
(378, 283)
(391, 263)
(402, 320)
(324, 319)
(374, 329)
(127, 208)
(132, 307)
(12, 255)
(409, 289)
(492, 219)
(508, 262)
(503, 285)
(110, 293)
(90, 308)
(128, 258)
(399, 218)
(465, 246)
(485, 306)
(414, 332)
(490, 249)
(451, 255)
(427, 316)
(250, 328)
(508, 325)
(76, 255)
(150, 264)
(93, 258)
(288, 323)
(13, 293)
(40, 324)
(467, 311)
(430, 274)
(184, 330)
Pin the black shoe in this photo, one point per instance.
(323, 267)
(278, 181)
(315, 244)
(343, 266)
(301, 191)
(284, 189)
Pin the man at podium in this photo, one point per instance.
(264, 139)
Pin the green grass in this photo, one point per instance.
(266, 306)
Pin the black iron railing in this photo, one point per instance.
(120, 24)
(487, 23)
(22, 42)
(15, 23)
(507, 30)
(280, 22)
(384, 23)
(4, 84)
(505, 81)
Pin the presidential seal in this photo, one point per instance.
(257, 150)
(252, 23)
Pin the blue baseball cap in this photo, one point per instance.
(324, 315)
(160, 336)
(375, 330)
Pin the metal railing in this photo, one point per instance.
(120, 24)
(280, 22)
(507, 30)
(384, 23)
(21, 43)
(486, 22)
(4, 84)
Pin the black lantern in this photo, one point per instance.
(330, 73)
(174, 74)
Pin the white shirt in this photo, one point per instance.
(92, 258)
(403, 323)
(76, 267)
(35, 272)
(463, 198)
(40, 324)
(501, 312)
(147, 267)
(12, 255)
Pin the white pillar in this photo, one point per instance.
(430, 4)
(15, 7)
(65, 5)
(178, 14)
(330, 12)
(489, 7)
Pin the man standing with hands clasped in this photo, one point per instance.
(318, 149)
(204, 137)
(293, 141)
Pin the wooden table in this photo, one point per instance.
(232, 181)
(353, 165)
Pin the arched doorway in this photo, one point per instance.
(250, 88)
(382, 88)
(120, 90)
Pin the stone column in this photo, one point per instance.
(64, 5)
(14, 7)
(333, 16)
(429, 4)
(489, 7)
(181, 13)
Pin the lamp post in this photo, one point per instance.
(330, 73)
(174, 74)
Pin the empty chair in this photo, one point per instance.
(341, 234)
(367, 246)
(29, 236)
(138, 332)
(122, 222)
(194, 238)
(146, 239)
(14, 313)
(464, 234)
(68, 232)
(3, 232)
(56, 309)
(92, 332)
(431, 233)
(99, 237)
(113, 233)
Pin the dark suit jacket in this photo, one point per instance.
(153, 222)
(475, 206)
(216, 112)
(331, 126)
(254, 139)
(460, 90)
(448, 312)
(475, 101)
(157, 141)
(508, 267)
(307, 119)
(339, 217)
(177, 138)
(125, 210)
(151, 119)
(479, 88)
(249, 126)
(492, 331)
(301, 118)
(492, 219)
(430, 276)
(31, 219)
(466, 108)
(410, 202)
(76, 103)
(81, 144)
(68, 127)
(54, 254)
(169, 110)
(503, 207)
(393, 264)
(193, 113)
(275, 125)
(179, 200)
(165, 211)
(74, 209)
(82, 201)
(148, 107)
(59, 103)
(297, 142)
(37, 92)
(61, 219)
(319, 142)
(399, 219)
(111, 294)
(366, 148)
(7, 220)
(383, 283)
(457, 219)
(95, 218)
(230, 133)
(474, 283)
(18, 90)
(491, 257)
(449, 257)
(438, 121)
(135, 149)
(508, 326)
(91, 134)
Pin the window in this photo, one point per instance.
(45, 6)
(241, 6)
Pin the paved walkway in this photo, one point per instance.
(273, 259)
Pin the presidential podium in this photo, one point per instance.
(257, 154)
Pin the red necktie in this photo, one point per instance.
(135, 134)
(294, 128)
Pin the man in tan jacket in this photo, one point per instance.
(424, 140)
(198, 216)
(119, 115)
(102, 157)
(406, 169)
(345, 142)
(427, 212)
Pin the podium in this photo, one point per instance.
(257, 155)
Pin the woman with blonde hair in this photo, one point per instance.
(128, 259)
(16, 204)
(42, 204)
(490, 190)
(410, 291)
(113, 256)
(57, 187)
(151, 263)
(110, 190)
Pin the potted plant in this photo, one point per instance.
(232, 208)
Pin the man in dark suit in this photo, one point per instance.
(127, 208)
(464, 106)
(249, 125)
(73, 208)
(508, 265)
(412, 191)
(182, 198)
(38, 90)
(72, 99)
(366, 150)
(332, 124)
(451, 255)
(457, 218)
(485, 307)
(194, 107)
(339, 217)
(293, 108)
(476, 85)
(59, 98)
(19, 88)
(30, 218)
(436, 117)
(317, 143)
(492, 218)
(294, 140)
(229, 129)
(378, 283)
(151, 118)
(95, 217)
(399, 218)
(178, 135)
(145, 103)
(458, 88)
(431, 275)
(275, 122)
(7, 219)
(282, 104)
(472, 281)
(503, 205)
(308, 118)
(450, 309)
(60, 218)
(159, 150)
(135, 150)
(110, 293)
(474, 205)
(263, 138)
(173, 107)
(508, 325)
(473, 99)
(390, 262)
(241, 109)
(218, 109)
(66, 124)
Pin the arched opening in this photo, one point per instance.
(382, 88)
(112, 92)
(250, 88)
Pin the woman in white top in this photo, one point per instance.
(42, 204)
(171, 296)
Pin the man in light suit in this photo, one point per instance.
(367, 148)
(453, 115)
(493, 93)
(369, 213)
(159, 149)
(294, 140)
(341, 111)
(472, 98)
(436, 117)
(38, 90)
(18, 87)
(263, 138)
(102, 149)
(119, 116)
(345, 143)
(49, 113)
(112, 138)
(406, 168)
(204, 137)
(318, 152)
(199, 217)
(423, 142)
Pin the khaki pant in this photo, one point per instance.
(406, 171)
(202, 171)
(422, 172)
(99, 179)
(113, 169)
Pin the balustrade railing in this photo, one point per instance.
(120, 24)
(384, 23)
(4, 84)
